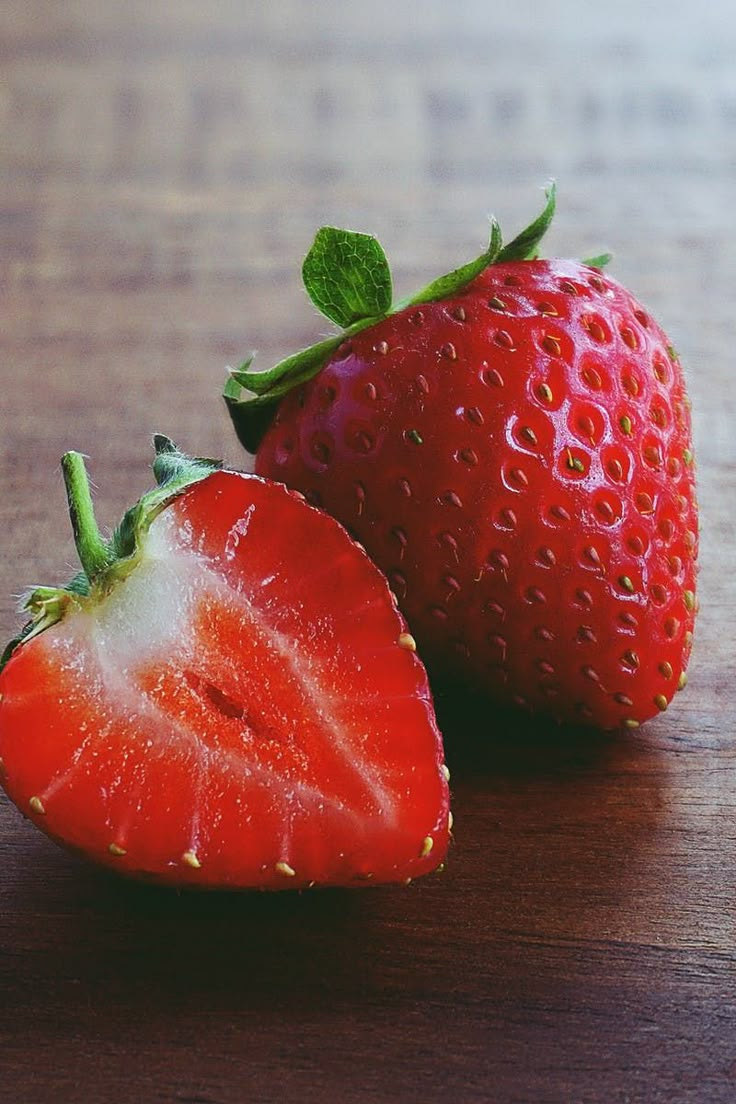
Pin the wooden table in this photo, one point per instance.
(163, 169)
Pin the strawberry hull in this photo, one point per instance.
(215, 720)
(517, 459)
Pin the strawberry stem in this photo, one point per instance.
(94, 553)
(106, 562)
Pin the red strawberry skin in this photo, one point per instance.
(517, 458)
(242, 710)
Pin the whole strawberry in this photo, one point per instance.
(196, 708)
(513, 448)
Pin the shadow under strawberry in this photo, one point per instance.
(126, 943)
(483, 738)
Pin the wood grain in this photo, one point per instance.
(163, 167)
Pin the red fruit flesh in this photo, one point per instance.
(238, 711)
(517, 460)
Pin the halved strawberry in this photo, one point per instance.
(226, 696)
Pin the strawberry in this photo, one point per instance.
(197, 709)
(512, 446)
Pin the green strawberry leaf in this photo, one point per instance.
(524, 246)
(600, 261)
(172, 468)
(251, 415)
(292, 368)
(347, 276)
(106, 561)
(348, 279)
(457, 279)
(252, 397)
(174, 472)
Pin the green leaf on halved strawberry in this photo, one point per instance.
(105, 562)
(195, 707)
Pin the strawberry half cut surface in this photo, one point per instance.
(512, 446)
(225, 696)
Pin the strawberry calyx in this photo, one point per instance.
(348, 278)
(106, 561)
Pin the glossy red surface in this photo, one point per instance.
(518, 461)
